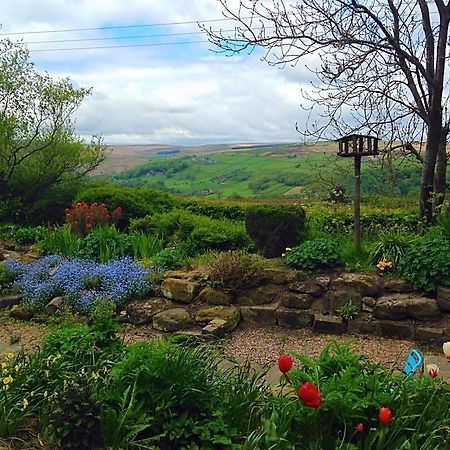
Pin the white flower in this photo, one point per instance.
(446, 349)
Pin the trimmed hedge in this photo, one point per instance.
(194, 233)
(273, 228)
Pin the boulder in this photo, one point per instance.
(10, 300)
(279, 276)
(142, 311)
(179, 290)
(294, 318)
(214, 296)
(365, 285)
(173, 320)
(29, 257)
(260, 295)
(395, 329)
(402, 306)
(336, 299)
(55, 305)
(21, 313)
(443, 298)
(306, 287)
(260, 315)
(396, 285)
(296, 301)
(230, 314)
(368, 304)
(217, 327)
(328, 324)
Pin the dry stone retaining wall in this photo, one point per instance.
(386, 307)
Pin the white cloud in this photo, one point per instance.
(167, 94)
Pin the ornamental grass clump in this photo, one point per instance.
(81, 282)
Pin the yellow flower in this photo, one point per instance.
(7, 380)
(24, 404)
(95, 375)
(4, 365)
(10, 355)
(45, 394)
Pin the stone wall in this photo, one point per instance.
(386, 307)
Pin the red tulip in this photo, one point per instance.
(360, 427)
(285, 363)
(385, 415)
(309, 395)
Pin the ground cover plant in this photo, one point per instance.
(84, 389)
(82, 282)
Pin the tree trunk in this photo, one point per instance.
(440, 178)
(428, 171)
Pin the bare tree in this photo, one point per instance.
(381, 68)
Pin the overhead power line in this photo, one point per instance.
(154, 44)
(117, 27)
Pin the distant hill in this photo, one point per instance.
(264, 171)
(125, 157)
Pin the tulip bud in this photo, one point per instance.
(309, 395)
(385, 415)
(432, 370)
(446, 349)
(360, 427)
(285, 363)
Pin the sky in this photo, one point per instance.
(182, 93)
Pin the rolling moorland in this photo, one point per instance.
(259, 171)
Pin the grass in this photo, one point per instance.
(268, 173)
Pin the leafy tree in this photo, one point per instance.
(381, 67)
(40, 155)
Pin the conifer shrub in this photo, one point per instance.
(273, 228)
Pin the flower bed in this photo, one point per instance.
(81, 282)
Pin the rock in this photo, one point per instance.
(428, 334)
(260, 295)
(443, 298)
(363, 326)
(29, 257)
(230, 314)
(261, 315)
(10, 300)
(176, 274)
(328, 324)
(172, 320)
(396, 285)
(368, 304)
(216, 328)
(323, 282)
(55, 305)
(214, 296)
(392, 328)
(142, 311)
(179, 290)
(402, 306)
(306, 287)
(21, 313)
(297, 301)
(336, 299)
(365, 285)
(279, 276)
(292, 318)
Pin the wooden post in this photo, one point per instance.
(357, 204)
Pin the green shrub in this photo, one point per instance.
(273, 228)
(169, 258)
(61, 241)
(235, 270)
(74, 417)
(314, 254)
(427, 263)
(144, 246)
(392, 247)
(29, 235)
(195, 233)
(135, 202)
(214, 209)
(5, 280)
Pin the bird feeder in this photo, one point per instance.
(356, 146)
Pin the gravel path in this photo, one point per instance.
(263, 346)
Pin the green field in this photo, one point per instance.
(269, 173)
